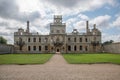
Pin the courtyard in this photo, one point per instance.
(58, 69)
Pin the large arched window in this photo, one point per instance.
(34, 48)
(69, 39)
(39, 39)
(29, 48)
(86, 48)
(75, 39)
(69, 48)
(80, 39)
(39, 48)
(46, 47)
(34, 39)
(75, 48)
(80, 47)
(86, 40)
(28, 39)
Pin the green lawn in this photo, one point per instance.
(24, 58)
(92, 58)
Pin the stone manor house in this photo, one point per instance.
(58, 39)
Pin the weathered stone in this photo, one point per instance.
(112, 48)
(58, 40)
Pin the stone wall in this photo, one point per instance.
(112, 48)
(6, 49)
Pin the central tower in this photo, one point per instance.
(57, 27)
(57, 34)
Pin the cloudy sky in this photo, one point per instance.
(104, 13)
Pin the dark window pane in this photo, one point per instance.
(80, 39)
(75, 48)
(74, 39)
(29, 48)
(39, 48)
(46, 47)
(28, 39)
(86, 39)
(80, 47)
(34, 39)
(69, 48)
(39, 39)
(34, 48)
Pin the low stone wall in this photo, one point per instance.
(112, 48)
(4, 48)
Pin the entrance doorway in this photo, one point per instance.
(58, 50)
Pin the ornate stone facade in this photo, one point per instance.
(58, 40)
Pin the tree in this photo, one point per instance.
(108, 42)
(95, 44)
(3, 40)
(111, 41)
(20, 43)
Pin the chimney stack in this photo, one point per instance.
(87, 26)
(27, 23)
(94, 26)
(27, 27)
(87, 23)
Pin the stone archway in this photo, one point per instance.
(58, 50)
(58, 44)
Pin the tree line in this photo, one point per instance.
(3, 40)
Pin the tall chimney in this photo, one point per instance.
(94, 26)
(87, 26)
(27, 27)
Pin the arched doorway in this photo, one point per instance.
(58, 49)
(58, 43)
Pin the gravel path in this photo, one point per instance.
(58, 69)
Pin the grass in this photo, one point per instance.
(92, 58)
(24, 58)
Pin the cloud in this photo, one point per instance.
(10, 10)
(101, 21)
(83, 17)
(77, 22)
(23, 17)
(64, 3)
(107, 37)
(116, 23)
(81, 25)
(4, 23)
(95, 4)
(77, 6)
